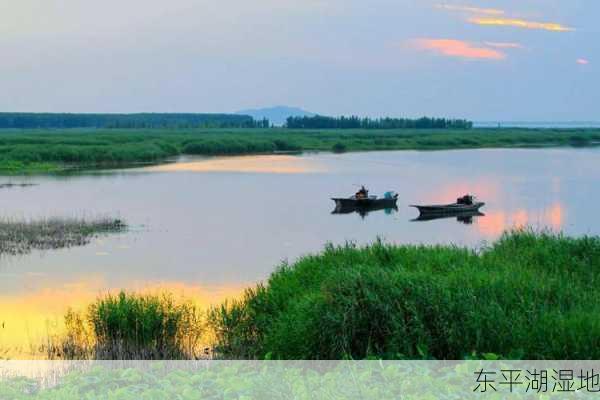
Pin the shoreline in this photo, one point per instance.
(39, 152)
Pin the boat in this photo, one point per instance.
(463, 217)
(364, 210)
(464, 204)
(363, 199)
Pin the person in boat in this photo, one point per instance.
(467, 199)
(363, 193)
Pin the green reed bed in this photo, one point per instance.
(54, 150)
(132, 326)
(527, 296)
(22, 236)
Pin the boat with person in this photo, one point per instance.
(363, 199)
(464, 204)
(364, 211)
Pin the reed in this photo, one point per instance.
(132, 326)
(19, 237)
(530, 295)
(40, 151)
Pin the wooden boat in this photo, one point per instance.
(464, 217)
(463, 204)
(362, 199)
(364, 210)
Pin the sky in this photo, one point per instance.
(510, 60)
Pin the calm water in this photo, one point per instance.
(210, 227)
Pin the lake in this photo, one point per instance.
(208, 227)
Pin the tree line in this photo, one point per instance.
(189, 120)
(142, 120)
(354, 122)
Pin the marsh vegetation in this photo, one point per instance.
(527, 296)
(23, 151)
(18, 237)
(134, 327)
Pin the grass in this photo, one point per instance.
(44, 151)
(528, 296)
(133, 327)
(19, 237)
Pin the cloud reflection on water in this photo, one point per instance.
(267, 164)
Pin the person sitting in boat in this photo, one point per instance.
(467, 199)
(363, 193)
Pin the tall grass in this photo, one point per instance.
(51, 150)
(529, 295)
(133, 326)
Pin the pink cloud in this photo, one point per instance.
(582, 61)
(475, 10)
(520, 23)
(458, 48)
(503, 45)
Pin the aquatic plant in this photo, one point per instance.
(247, 380)
(133, 326)
(41, 151)
(529, 295)
(23, 236)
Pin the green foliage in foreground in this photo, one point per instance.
(267, 380)
(527, 296)
(132, 326)
(23, 151)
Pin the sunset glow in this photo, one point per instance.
(554, 216)
(493, 224)
(25, 320)
(502, 45)
(475, 10)
(520, 23)
(271, 164)
(458, 48)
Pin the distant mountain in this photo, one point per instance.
(277, 115)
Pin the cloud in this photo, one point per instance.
(503, 45)
(474, 10)
(582, 61)
(520, 23)
(458, 48)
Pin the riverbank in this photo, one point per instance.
(51, 151)
(527, 296)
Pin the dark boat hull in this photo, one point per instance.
(367, 203)
(449, 209)
(363, 210)
(465, 217)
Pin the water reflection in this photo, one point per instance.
(225, 222)
(268, 164)
(27, 320)
(461, 217)
(496, 222)
(364, 210)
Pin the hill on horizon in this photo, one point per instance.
(276, 115)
